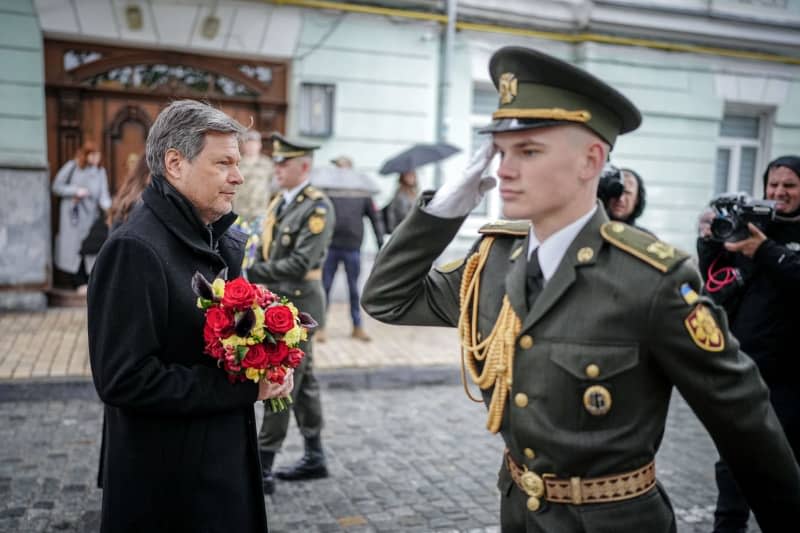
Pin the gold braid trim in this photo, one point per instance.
(269, 226)
(496, 350)
(556, 113)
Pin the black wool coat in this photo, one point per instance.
(180, 451)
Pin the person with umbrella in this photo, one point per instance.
(351, 195)
(405, 164)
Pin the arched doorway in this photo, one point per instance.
(111, 95)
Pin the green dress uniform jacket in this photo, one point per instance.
(297, 239)
(618, 315)
(298, 242)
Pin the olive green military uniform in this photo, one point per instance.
(614, 316)
(300, 237)
(578, 374)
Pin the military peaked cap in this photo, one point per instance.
(537, 90)
(283, 148)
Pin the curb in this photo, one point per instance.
(393, 377)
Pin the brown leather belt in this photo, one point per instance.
(313, 275)
(579, 491)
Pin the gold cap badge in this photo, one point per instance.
(508, 87)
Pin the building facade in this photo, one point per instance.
(717, 81)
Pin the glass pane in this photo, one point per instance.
(738, 126)
(721, 171)
(316, 109)
(484, 101)
(747, 169)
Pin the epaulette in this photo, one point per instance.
(658, 254)
(517, 228)
(314, 193)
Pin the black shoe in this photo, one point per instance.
(308, 467)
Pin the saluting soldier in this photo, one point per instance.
(575, 328)
(297, 233)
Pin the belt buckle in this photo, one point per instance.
(576, 489)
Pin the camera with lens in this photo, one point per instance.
(732, 213)
(611, 184)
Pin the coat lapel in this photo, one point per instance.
(515, 279)
(564, 276)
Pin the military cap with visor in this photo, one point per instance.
(537, 90)
(284, 149)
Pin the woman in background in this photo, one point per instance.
(129, 195)
(82, 187)
(402, 202)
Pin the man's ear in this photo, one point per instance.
(173, 161)
(595, 159)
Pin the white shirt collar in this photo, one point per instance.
(289, 196)
(552, 250)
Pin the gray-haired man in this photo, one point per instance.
(180, 450)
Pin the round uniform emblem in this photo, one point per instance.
(286, 239)
(585, 254)
(316, 224)
(597, 400)
(617, 227)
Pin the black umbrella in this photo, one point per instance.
(416, 156)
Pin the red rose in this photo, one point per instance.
(276, 375)
(239, 294)
(215, 349)
(257, 357)
(276, 353)
(219, 321)
(278, 319)
(294, 357)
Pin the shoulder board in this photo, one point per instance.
(313, 193)
(517, 228)
(658, 254)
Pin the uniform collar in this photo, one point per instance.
(291, 194)
(552, 250)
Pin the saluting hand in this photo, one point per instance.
(750, 245)
(457, 197)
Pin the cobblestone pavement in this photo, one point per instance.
(407, 459)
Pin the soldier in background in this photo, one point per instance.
(297, 233)
(576, 329)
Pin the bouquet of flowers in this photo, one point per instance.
(251, 332)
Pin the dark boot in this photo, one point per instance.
(310, 466)
(267, 458)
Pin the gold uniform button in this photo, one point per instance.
(530, 454)
(297, 292)
(521, 399)
(525, 342)
(592, 370)
(534, 504)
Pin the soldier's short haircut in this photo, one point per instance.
(183, 125)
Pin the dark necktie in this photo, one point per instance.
(281, 206)
(534, 279)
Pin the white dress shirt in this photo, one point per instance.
(291, 194)
(552, 250)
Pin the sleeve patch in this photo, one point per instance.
(316, 224)
(688, 293)
(703, 329)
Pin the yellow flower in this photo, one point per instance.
(293, 336)
(253, 374)
(218, 287)
(259, 317)
(294, 310)
(234, 340)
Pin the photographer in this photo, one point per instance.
(623, 194)
(757, 280)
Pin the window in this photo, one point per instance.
(316, 109)
(484, 103)
(739, 148)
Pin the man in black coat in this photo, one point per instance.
(757, 280)
(179, 449)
